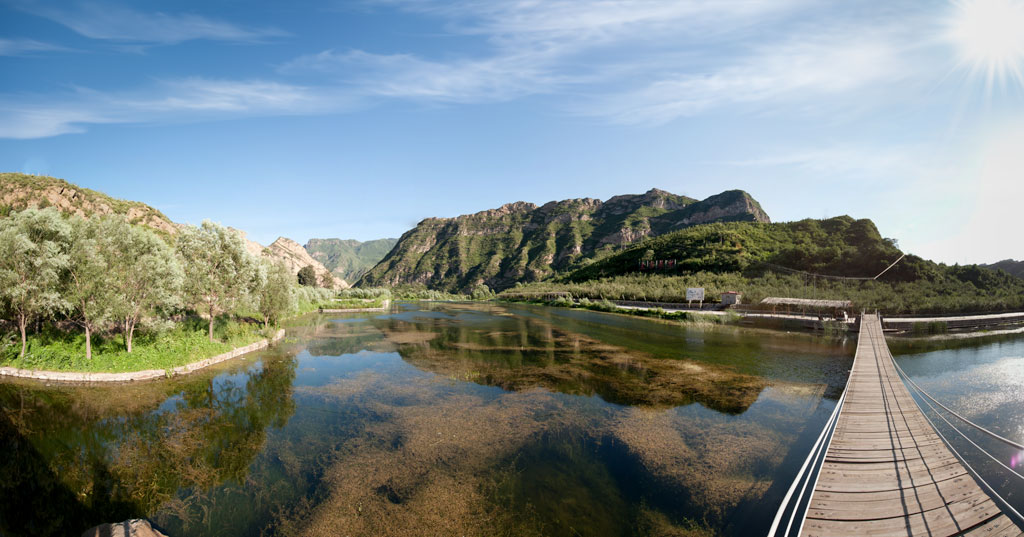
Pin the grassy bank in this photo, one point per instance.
(187, 342)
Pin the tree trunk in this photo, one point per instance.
(131, 335)
(211, 324)
(88, 343)
(124, 334)
(22, 321)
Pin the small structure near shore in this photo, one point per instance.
(803, 305)
(731, 298)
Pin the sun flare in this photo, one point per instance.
(989, 36)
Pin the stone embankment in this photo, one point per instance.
(129, 528)
(148, 374)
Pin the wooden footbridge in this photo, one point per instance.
(881, 469)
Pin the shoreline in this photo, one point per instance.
(132, 376)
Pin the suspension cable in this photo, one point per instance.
(967, 465)
(818, 450)
(1006, 441)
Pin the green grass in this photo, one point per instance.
(353, 303)
(54, 350)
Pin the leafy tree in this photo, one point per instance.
(218, 269)
(307, 275)
(327, 281)
(147, 275)
(89, 284)
(274, 294)
(33, 253)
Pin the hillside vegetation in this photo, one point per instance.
(521, 242)
(20, 191)
(1015, 268)
(790, 259)
(349, 259)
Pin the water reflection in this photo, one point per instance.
(442, 419)
(113, 453)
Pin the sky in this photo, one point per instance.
(357, 119)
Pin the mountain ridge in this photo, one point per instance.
(523, 242)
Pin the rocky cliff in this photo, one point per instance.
(294, 256)
(521, 242)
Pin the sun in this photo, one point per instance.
(989, 37)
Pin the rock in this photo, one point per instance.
(136, 527)
(294, 256)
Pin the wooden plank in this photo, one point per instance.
(886, 471)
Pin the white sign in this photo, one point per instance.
(694, 293)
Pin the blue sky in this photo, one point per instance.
(357, 119)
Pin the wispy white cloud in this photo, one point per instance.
(529, 21)
(102, 20)
(624, 61)
(21, 47)
(821, 65)
(191, 99)
(495, 78)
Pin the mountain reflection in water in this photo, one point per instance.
(435, 419)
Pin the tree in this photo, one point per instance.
(218, 269)
(33, 253)
(274, 295)
(148, 277)
(307, 275)
(327, 281)
(89, 284)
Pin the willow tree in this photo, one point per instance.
(218, 269)
(33, 254)
(274, 295)
(90, 283)
(147, 275)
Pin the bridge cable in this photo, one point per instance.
(963, 460)
(890, 266)
(818, 450)
(961, 433)
(1006, 441)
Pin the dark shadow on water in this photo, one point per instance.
(36, 502)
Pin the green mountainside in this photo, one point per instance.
(521, 242)
(838, 246)
(791, 259)
(349, 259)
(1015, 268)
(19, 191)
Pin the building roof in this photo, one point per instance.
(811, 302)
(731, 293)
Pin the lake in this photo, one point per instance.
(445, 419)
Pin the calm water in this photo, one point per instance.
(982, 380)
(451, 419)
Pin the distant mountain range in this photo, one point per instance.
(349, 259)
(521, 242)
(1015, 268)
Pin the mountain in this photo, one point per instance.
(349, 259)
(19, 191)
(521, 242)
(1015, 268)
(839, 246)
(292, 255)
